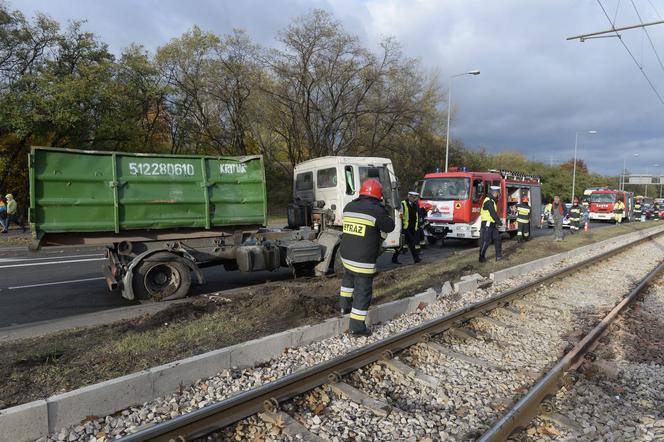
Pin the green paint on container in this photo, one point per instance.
(92, 191)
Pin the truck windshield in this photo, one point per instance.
(441, 189)
(602, 198)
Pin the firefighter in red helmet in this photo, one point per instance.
(364, 219)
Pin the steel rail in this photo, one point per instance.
(527, 407)
(221, 414)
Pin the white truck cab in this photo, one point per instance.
(329, 183)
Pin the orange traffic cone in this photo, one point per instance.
(585, 227)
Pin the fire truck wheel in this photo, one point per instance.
(432, 240)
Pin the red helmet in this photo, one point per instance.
(372, 188)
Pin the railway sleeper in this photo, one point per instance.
(377, 407)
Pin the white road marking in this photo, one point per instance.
(49, 257)
(29, 264)
(53, 283)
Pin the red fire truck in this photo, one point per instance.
(602, 203)
(453, 201)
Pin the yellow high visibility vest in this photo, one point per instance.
(485, 215)
(406, 216)
(548, 208)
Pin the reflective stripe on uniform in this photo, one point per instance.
(523, 215)
(359, 267)
(361, 218)
(347, 292)
(358, 314)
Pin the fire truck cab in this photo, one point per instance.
(602, 203)
(453, 201)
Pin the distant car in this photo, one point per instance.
(650, 213)
(566, 221)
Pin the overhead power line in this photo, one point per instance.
(643, 72)
(645, 30)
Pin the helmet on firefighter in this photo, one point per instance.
(372, 188)
(576, 200)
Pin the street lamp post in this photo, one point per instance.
(623, 175)
(449, 112)
(576, 144)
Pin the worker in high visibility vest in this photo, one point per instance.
(619, 211)
(523, 219)
(638, 209)
(410, 225)
(364, 220)
(575, 216)
(490, 221)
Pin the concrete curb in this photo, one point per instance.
(36, 419)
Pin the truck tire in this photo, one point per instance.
(162, 280)
(337, 266)
(432, 240)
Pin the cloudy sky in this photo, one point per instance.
(536, 89)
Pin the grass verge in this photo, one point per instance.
(40, 367)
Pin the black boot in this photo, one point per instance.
(482, 259)
(345, 311)
(359, 333)
(395, 258)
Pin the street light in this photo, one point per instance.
(576, 144)
(624, 172)
(659, 178)
(449, 111)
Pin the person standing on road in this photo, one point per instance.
(619, 211)
(410, 225)
(12, 214)
(638, 211)
(523, 219)
(656, 211)
(557, 213)
(3, 215)
(575, 216)
(545, 215)
(490, 221)
(364, 221)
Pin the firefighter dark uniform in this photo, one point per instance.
(420, 232)
(638, 211)
(523, 220)
(410, 226)
(489, 226)
(656, 211)
(363, 221)
(575, 216)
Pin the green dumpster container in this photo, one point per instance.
(76, 191)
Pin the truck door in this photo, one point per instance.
(328, 189)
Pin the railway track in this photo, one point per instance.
(450, 377)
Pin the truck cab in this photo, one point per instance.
(325, 185)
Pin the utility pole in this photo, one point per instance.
(601, 34)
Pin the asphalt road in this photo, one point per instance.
(57, 282)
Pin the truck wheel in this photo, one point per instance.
(161, 280)
(432, 240)
(337, 266)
